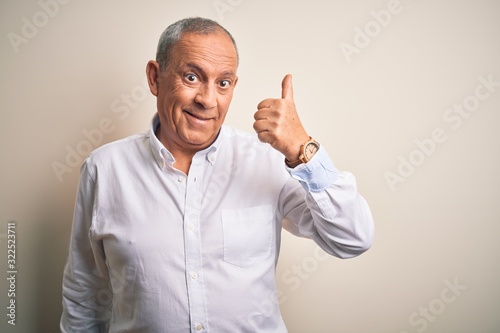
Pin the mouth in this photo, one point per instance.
(196, 116)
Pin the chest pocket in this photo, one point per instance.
(248, 235)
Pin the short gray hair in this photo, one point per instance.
(174, 32)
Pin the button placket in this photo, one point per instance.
(192, 241)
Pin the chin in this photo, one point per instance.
(200, 140)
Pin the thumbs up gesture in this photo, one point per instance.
(277, 122)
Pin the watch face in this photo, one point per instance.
(310, 149)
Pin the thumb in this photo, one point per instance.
(287, 88)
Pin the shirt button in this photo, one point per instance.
(194, 276)
(199, 327)
(180, 179)
(191, 226)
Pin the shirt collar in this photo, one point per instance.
(164, 158)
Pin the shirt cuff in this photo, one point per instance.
(317, 174)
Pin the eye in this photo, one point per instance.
(224, 83)
(191, 77)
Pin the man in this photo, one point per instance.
(178, 229)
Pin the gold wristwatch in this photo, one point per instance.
(307, 151)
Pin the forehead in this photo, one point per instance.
(214, 50)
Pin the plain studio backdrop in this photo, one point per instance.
(403, 94)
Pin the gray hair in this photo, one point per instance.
(174, 32)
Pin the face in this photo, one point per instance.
(194, 91)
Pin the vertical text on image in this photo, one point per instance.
(11, 272)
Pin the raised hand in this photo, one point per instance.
(277, 122)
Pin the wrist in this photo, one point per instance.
(306, 152)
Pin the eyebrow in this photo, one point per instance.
(199, 69)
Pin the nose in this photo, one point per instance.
(206, 96)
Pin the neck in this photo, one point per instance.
(183, 157)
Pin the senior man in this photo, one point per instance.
(178, 229)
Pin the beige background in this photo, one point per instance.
(436, 226)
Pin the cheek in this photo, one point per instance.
(177, 96)
(224, 102)
(183, 94)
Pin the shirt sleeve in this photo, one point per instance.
(86, 287)
(327, 208)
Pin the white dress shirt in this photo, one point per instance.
(155, 250)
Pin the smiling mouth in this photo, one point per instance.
(196, 116)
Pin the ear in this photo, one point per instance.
(152, 73)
